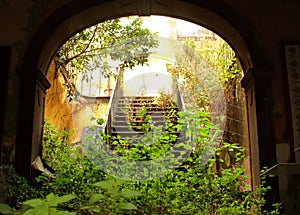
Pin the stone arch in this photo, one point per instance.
(77, 15)
(56, 29)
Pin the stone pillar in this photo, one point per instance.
(253, 149)
(258, 86)
(5, 56)
(30, 118)
(265, 122)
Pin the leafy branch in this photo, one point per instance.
(86, 47)
(122, 41)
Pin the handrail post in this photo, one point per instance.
(110, 114)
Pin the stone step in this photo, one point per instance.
(135, 100)
(176, 149)
(136, 97)
(138, 118)
(139, 140)
(136, 133)
(150, 109)
(152, 114)
(121, 129)
(139, 102)
(121, 122)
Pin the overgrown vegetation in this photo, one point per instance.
(188, 181)
(82, 188)
(209, 75)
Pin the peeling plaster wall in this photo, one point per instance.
(71, 115)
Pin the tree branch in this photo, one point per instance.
(87, 46)
(70, 83)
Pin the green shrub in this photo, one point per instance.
(111, 200)
(74, 173)
(189, 189)
(200, 190)
(14, 188)
(38, 206)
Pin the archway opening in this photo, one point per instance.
(205, 67)
(237, 32)
(220, 17)
(176, 40)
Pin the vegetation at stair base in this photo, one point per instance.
(150, 127)
(153, 154)
(190, 189)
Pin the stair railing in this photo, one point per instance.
(181, 107)
(108, 120)
(178, 96)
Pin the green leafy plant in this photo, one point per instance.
(74, 172)
(201, 190)
(138, 116)
(111, 200)
(193, 187)
(196, 187)
(47, 206)
(164, 100)
(14, 188)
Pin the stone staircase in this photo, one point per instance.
(139, 122)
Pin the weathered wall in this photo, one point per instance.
(18, 22)
(276, 22)
(68, 115)
(58, 109)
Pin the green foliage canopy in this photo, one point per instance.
(125, 42)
